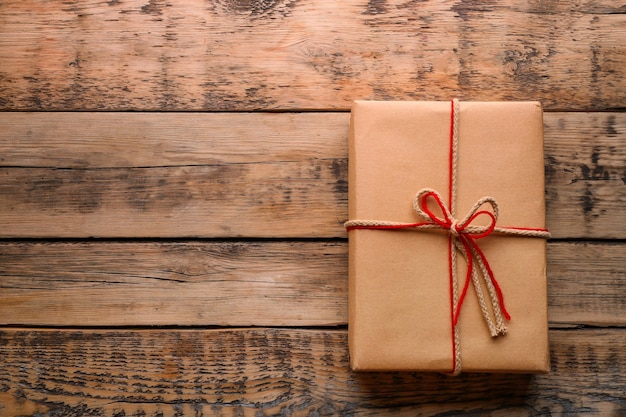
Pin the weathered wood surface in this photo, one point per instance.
(230, 177)
(287, 54)
(586, 283)
(251, 174)
(174, 283)
(162, 175)
(258, 372)
(585, 165)
(229, 283)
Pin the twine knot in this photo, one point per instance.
(454, 228)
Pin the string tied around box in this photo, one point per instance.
(463, 236)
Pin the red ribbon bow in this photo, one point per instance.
(466, 234)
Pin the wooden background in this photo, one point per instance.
(173, 183)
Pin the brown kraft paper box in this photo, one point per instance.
(400, 296)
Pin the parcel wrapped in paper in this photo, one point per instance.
(447, 237)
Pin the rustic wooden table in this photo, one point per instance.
(173, 184)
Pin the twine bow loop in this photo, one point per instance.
(446, 220)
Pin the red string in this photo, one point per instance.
(450, 241)
(446, 222)
(459, 229)
(451, 279)
(532, 229)
(451, 158)
(468, 276)
(487, 232)
(390, 226)
(492, 278)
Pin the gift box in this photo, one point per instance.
(447, 238)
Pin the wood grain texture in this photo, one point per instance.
(251, 174)
(163, 179)
(161, 175)
(174, 283)
(259, 372)
(583, 172)
(248, 283)
(586, 283)
(289, 54)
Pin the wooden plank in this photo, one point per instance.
(585, 161)
(248, 283)
(157, 140)
(172, 175)
(233, 55)
(586, 283)
(252, 372)
(174, 283)
(250, 174)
